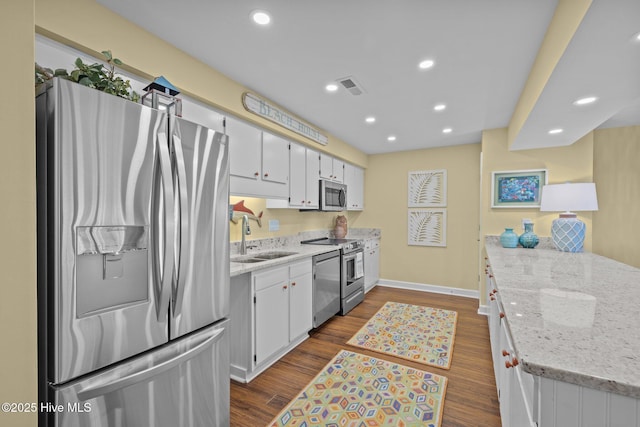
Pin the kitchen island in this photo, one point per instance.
(571, 327)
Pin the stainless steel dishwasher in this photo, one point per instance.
(326, 287)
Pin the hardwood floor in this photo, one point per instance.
(470, 399)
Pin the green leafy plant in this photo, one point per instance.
(95, 75)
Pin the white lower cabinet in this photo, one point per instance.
(371, 263)
(300, 295)
(271, 313)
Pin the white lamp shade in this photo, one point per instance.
(569, 197)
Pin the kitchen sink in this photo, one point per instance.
(273, 255)
(246, 260)
(261, 257)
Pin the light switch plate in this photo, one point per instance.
(274, 225)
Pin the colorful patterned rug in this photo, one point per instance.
(422, 334)
(355, 390)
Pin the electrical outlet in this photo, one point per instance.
(274, 225)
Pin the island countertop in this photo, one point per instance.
(573, 317)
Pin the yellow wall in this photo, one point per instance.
(291, 220)
(572, 163)
(17, 215)
(617, 177)
(386, 192)
(92, 28)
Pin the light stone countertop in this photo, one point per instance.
(291, 244)
(302, 252)
(573, 317)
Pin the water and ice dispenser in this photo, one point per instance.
(111, 267)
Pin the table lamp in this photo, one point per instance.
(567, 231)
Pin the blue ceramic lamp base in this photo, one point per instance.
(567, 233)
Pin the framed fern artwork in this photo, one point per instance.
(428, 189)
(428, 227)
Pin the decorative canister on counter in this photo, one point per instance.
(509, 239)
(528, 239)
(340, 229)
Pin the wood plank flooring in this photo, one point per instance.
(470, 399)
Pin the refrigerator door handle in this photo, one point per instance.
(183, 228)
(97, 390)
(167, 229)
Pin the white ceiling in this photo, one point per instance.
(483, 52)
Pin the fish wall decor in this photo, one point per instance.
(240, 209)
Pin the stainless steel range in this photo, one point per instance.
(351, 270)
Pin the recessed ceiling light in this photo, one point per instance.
(447, 130)
(260, 17)
(637, 37)
(586, 100)
(427, 63)
(331, 87)
(439, 107)
(370, 119)
(391, 138)
(555, 131)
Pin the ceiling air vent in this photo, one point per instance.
(351, 85)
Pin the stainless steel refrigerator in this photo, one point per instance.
(133, 264)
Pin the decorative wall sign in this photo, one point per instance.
(428, 189)
(262, 108)
(517, 189)
(428, 227)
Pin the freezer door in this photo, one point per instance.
(185, 383)
(98, 277)
(201, 284)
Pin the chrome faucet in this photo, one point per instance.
(246, 230)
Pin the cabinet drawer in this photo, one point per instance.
(267, 278)
(300, 268)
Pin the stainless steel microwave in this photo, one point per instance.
(333, 196)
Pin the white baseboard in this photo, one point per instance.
(467, 293)
(483, 309)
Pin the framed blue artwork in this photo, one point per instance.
(517, 189)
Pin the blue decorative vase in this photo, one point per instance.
(509, 239)
(528, 239)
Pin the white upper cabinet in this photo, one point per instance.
(303, 180)
(244, 149)
(331, 168)
(297, 172)
(312, 180)
(259, 162)
(275, 158)
(354, 179)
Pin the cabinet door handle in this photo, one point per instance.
(293, 283)
(515, 361)
(256, 174)
(266, 174)
(505, 352)
(508, 364)
(285, 287)
(502, 315)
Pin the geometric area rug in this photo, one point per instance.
(421, 334)
(355, 390)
